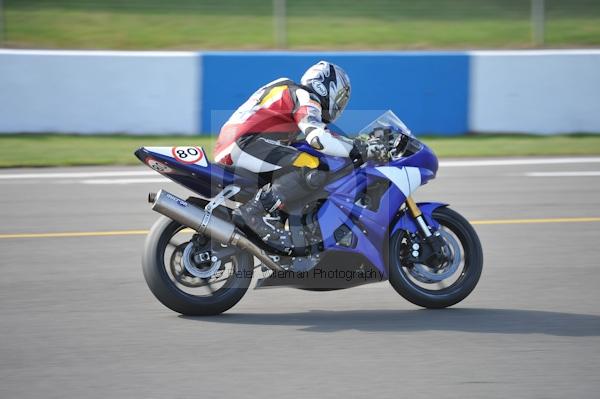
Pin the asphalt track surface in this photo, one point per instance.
(77, 320)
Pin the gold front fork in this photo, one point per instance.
(412, 207)
(416, 213)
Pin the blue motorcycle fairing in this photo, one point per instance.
(371, 228)
(370, 239)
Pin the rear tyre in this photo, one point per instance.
(174, 286)
(419, 283)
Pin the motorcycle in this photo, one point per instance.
(360, 226)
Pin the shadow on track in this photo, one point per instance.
(495, 321)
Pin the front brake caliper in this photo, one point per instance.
(430, 251)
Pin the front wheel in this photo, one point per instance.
(444, 284)
(190, 273)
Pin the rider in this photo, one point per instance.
(257, 135)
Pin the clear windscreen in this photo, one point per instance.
(387, 120)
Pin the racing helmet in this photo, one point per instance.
(331, 84)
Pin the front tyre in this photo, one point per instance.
(446, 284)
(191, 275)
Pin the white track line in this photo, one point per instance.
(564, 174)
(74, 175)
(443, 164)
(126, 181)
(517, 161)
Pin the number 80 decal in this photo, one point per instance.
(191, 155)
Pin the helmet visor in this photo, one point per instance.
(339, 102)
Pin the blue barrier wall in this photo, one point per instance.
(164, 92)
(429, 91)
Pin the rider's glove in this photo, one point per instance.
(367, 150)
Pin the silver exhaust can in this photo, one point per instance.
(205, 223)
(192, 216)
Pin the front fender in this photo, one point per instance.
(407, 222)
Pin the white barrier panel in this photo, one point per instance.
(75, 91)
(543, 92)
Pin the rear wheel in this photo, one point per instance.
(444, 284)
(191, 274)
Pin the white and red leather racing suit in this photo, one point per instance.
(257, 135)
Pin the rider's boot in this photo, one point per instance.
(261, 215)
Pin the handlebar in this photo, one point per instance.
(397, 143)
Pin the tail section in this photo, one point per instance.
(190, 167)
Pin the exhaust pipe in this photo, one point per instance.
(205, 223)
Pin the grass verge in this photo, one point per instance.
(310, 24)
(68, 150)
